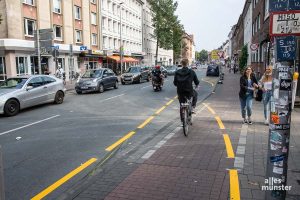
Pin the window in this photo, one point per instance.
(93, 1)
(77, 12)
(266, 9)
(2, 69)
(57, 6)
(104, 42)
(94, 18)
(104, 24)
(21, 65)
(36, 82)
(48, 80)
(29, 2)
(94, 39)
(57, 32)
(78, 36)
(258, 22)
(29, 27)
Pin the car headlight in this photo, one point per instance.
(78, 80)
(135, 75)
(95, 80)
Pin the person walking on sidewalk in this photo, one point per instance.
(183, 80)
(248, 83)
(265, 84)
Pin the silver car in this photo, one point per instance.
(25, 91)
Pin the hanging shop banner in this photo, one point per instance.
(286, 48)
(214, 55)
(285, 23)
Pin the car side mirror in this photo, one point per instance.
(29, 87)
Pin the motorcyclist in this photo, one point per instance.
(157, 74)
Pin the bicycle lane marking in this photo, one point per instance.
(110, 148)
(233, 173)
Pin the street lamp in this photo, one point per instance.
(121, 43)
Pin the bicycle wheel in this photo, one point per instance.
(185, 122)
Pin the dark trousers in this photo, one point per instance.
(182, 97)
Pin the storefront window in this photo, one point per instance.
(2, 69)
(61, 63)
(22, 65)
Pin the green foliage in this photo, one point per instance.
(167, 28)
(202, 55)
(243, 58)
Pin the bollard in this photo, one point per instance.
(2, 197)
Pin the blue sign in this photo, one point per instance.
(56, 47)
(286, 48)
(283, 5)
(294, 5)
(278, 5)
(277, 158)
(83, 48)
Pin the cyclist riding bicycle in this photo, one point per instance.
(183, 80)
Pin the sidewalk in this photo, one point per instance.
(196, 167)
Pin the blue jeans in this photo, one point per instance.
(246, 105)
(266, 101)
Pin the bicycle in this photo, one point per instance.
(186, 115)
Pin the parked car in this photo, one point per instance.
(96, 80)
(213, 70)
(22, 92)
(135, 74)
(164, 71)
(171, 69)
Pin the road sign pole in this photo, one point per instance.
(2, 192)
(280, 119)
(38, 51)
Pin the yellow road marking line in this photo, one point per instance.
(64, 179)
(147, 121)
(160, 110)
(209, 108)
(176, 97)
(120, 141)
(212, 84)
(170, 102)
(230, 153)
(234, 185)
(221, 125)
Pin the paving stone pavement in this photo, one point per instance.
(196, 167)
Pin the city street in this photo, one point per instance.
(81, 128)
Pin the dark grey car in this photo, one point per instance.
(135, 74)
(96, 80)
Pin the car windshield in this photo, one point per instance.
(212, 67)
(13, 83)
(92, 74)
(133, 70)
(171, 67)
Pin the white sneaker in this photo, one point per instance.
(266, 122)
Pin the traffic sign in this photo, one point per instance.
(286, 48)
(285, 23)
(83, 48)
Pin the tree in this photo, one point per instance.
(178, 31)
(202, 55)
(243, 58)
(167, 28)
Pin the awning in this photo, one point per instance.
(125, 59)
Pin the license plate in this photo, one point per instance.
(127, 79)
(84, 87)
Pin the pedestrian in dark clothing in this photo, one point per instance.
(183, 80)
(248, 83)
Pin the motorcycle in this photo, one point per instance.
(157, 83)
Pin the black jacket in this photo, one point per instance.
(183, 80)
(244, 85)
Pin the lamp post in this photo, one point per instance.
(121, 40)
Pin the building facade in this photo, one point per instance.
(75, 25)
(188, 48)
(247, 12)
(165, 57)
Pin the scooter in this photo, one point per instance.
(157, 84)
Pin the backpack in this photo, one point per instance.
(184, 82)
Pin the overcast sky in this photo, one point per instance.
(209, 20)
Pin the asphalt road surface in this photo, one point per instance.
(43, 144)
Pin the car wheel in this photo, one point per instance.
(116, 85)
(140, 79)
(59, 97)
(78, 92)
(101, 88)
(11, 108)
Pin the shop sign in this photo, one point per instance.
(283, 5)
(286, 48)
(285, 23)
